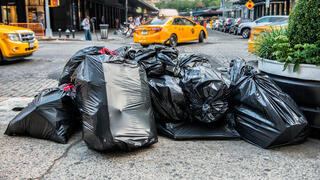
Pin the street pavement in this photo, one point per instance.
(29, 158)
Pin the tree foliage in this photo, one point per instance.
(304, 22)
(187, 5)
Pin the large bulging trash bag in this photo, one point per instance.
(263, 114)
(168, 100)
(52, 115)
(75, 60)
(157, 60)
(114, 100)
(207, 93)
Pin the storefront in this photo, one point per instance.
(12, 11)
(69, 13)
(277, 7)
(35, 11)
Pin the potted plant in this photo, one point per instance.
(291, 56)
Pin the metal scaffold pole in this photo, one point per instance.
(126, 11)
(48, 25)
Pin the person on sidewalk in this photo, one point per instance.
(138, 21)
(117, 23)
(86, 26)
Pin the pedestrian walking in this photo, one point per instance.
(138, 21)
(117, 23)
(86, 26)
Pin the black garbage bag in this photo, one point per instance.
(168, 100)
(207, 93)
(193, 60)
(114, 100)
(157, 60)
(52, 115)
(127, 52)
(75, 60)
(263, 114)
(237, 70)
(197, 130)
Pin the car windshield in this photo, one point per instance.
(157, 21)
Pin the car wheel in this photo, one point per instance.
(173, 40)
(246, 33)
(1, 57)
(201, 37)
(145, 45)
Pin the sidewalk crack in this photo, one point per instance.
(65, 153)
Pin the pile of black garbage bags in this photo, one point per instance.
(122, 99)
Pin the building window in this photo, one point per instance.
(9, 14)
(35, 11)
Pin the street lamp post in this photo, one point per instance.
(126, 11)
(48, 25)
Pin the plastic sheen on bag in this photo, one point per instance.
(168, 100)
(198, 130)
(75, 60)
(114, 100)
(52, 115)
(207, 93)
(263, 114)
(157, 60)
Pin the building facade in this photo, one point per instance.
(69, 13)
(277, 7)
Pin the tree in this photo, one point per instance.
(199, 5)
(304, 23)
(187, 5)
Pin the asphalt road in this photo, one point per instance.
(23, 157)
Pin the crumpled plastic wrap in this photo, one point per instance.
(75, 60)
(52, 115)
(207, 93)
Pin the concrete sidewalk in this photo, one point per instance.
(24, 158)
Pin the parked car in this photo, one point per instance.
(220, 25)
(236, 23)
(177, 29)
(245, 28)
(227, 24)
(215, 25)
(16, 42)
(258, 31)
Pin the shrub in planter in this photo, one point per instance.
(275, 45)
(304, 23)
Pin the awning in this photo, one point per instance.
(145, 5)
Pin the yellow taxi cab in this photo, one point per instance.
(175, 29)
(16, 42)
(256, 32)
